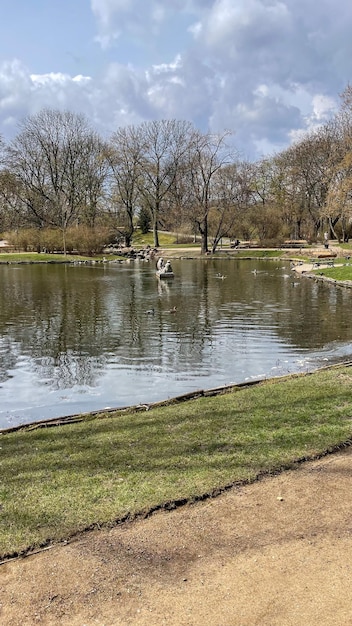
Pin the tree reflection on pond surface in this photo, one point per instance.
(80, 338)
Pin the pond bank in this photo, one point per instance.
(306, 269)
(116, 467)
(271, 553)
(286, 536)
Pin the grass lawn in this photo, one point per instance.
(251, 252)
(141, 240)
(34, 257)
(339, 273)
(57, 481)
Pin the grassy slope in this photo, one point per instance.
(339, 273)
(57, 481)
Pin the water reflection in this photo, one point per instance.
(80, 338)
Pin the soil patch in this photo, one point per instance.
(277, 552)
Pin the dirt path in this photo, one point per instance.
(278, 552)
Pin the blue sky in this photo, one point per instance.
(266, 69)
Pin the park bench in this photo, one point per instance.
(248, 244)
(317, 262)
(294, 243)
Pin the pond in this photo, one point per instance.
(78, 338)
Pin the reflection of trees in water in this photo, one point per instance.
(68, 370)
(301, 312)
(74, 322)
(158, 340)
(8, 357)
(316, 314)
(58, 319)
(196, 333)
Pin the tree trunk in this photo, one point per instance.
(204, 239)
(64, 240)
(155, 233)
(331, 226)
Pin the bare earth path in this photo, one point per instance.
(277, 552)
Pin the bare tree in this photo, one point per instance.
(94, 179)
(52, 158)
(231, 200)
(178, 212)
(12, 209)
(339, 199)
(338, 206)
(302, 178)
(165, 144)
(207, 154)
(124, 157)
(2, 149)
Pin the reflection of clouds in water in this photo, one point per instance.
(10, 419)
(83, 341)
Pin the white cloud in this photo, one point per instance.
(117, 16)
(268, 69)
(140, 17)
(323, 107)
(245, 23)
(57, 78)
(23, 93)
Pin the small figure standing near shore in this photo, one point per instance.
(160, 264)
(167, 267)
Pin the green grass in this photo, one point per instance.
(57, 481)
(345, 246)
(253, 253)
(34, 257)
(141, 240)
(339, 273)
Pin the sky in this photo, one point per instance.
(267, 70)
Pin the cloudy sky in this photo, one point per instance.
(266, 69)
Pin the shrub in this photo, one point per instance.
(87, 241)
(144, 220)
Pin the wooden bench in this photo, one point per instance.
(294, 243)
(248, 244)
(317, 262)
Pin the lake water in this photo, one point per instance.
(77, 338)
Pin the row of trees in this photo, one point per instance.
(59, 173)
